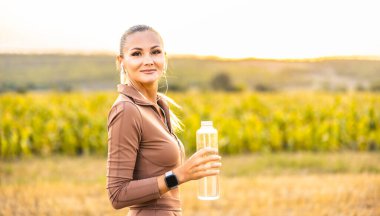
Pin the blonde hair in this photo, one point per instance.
(176, 123)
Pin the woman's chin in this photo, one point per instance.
(148, 81)
(152, 78)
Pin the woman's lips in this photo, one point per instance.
(148, 71)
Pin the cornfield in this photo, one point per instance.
(76, 123)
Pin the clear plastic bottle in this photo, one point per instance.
(207, 137)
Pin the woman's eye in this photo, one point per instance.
(156, 52)
(136, 54)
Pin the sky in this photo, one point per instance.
(282, 29)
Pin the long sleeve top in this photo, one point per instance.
(141, 147)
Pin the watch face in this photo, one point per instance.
(171, 181)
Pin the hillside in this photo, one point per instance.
(67, 72)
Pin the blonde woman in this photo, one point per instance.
(145, 162)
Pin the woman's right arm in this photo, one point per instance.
(124, 134)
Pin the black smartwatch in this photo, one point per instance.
(171, 180)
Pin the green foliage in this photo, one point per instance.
(53, 123)
(75, 123)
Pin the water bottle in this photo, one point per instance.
(207, 136)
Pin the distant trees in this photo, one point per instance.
(222, 82)
(261, 87)
(375, 87)
(30, 86)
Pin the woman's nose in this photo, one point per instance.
(148, 59)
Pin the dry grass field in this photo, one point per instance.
(341, 184)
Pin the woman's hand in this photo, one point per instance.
(205, 162)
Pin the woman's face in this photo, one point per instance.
(144, 57)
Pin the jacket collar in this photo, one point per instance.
(129, 91)
(138, 99)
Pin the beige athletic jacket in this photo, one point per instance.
(141, 146)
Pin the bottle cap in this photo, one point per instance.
(206, 123)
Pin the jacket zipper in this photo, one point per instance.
(170, 131)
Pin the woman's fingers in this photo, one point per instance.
(204, 151)
(208, 151)
(207, 159)
(202, 163)
(205, 155)
(206, 167)
(205, 173)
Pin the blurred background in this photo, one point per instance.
(293, 88)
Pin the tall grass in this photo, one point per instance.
(75, 123)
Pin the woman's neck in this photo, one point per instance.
(149, 92)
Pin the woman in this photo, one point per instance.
(145, 158)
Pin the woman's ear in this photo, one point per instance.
(118, 61)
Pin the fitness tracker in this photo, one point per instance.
(171, 180)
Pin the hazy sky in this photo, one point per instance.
(263, 29)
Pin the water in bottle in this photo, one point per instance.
(207, 136)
